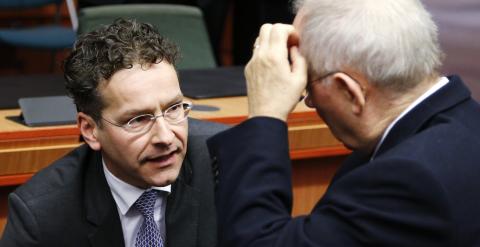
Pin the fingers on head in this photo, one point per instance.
(264, 36)
(297, 59)
(274, 41)
(279, 38)
(280, 33)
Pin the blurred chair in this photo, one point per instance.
(181, 24)
(52, 36)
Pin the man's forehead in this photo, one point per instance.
(159, 71)
(157, 84)
(162, 104)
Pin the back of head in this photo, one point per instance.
(393, 43)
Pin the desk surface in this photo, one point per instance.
(315, 152)
(24, 150)
(230, 110)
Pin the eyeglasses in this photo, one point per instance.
(321, 78)
(172, 115)
(311, 82)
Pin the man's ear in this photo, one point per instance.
(354, 92)
(89, 129)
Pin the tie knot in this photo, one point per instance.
(146, 202)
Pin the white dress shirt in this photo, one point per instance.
(125, 196)
(442, 82)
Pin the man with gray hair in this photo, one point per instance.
(370, 69)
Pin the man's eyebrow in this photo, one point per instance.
(135, 112)
(178, 98)
(131, 112)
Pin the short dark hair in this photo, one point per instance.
(99, 54)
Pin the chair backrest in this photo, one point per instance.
(26, 3)
(51, 35)
(181, 24)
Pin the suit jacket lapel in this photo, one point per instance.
(446, 97)
(100, 207)
(182, 211)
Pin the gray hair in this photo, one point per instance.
(394, 43)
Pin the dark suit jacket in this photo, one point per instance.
(422, 189)
(70, 204)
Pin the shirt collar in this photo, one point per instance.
(125, 194)
(441, 82)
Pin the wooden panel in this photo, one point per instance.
(15, 179)
(28, 160)
(30, 142)
(311, 136)
(233, 110)
(26, 150)
(4, 191)
(310, 179)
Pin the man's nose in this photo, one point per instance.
(161, 132)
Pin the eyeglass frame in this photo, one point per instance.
(321, 78)
(187, 106)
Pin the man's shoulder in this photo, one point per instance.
(447, 147)
(198, 133)
(64, 174)
(50, 202)
(198, 127)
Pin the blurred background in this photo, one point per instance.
(232, 26)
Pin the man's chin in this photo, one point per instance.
(164, 179)
(162, 183)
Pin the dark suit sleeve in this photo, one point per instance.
(385, 203)
(255, 149)
(21, 228)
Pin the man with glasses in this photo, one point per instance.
(370, 69)
(143, 178)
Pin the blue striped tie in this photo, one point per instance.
(148, 235)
